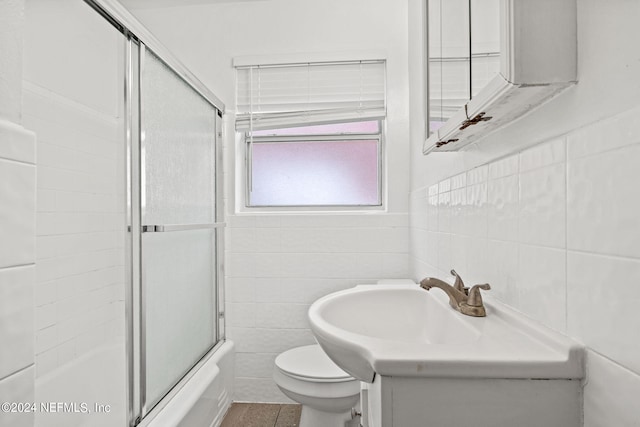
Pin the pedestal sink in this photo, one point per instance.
(423, 363)
(405, 330)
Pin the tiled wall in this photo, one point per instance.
(278, 265)
(502, 222)
(17, 225)
(555, 229)
(17, 269)
(80, 262)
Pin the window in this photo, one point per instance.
(312, 133)
(325, 165)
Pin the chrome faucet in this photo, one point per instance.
(466, 301)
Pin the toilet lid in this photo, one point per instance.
(310, 362)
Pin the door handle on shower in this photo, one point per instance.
(180, 227)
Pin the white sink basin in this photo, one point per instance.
(403, 330)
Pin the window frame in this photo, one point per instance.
(247, 142)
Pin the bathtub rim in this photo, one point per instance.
(221, 346)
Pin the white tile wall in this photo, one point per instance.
(17, 225)
(542, 206)
(503, 206)
(542, 285)
(17, 144)
(610, 394)
(17, 258)
(79, 288)
(555, 229)
(502, 272)
(18, 388)
(16, 318)
(605, 185)
(476, 221)
(278, 265)
(603, 299)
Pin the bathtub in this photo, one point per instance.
(204, 399)
(91, 392)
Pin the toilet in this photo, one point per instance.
(326, 392)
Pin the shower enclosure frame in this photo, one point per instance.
(138, 39)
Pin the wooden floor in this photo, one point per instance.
(262, 415)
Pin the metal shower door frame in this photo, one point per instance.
(138, 39)
(140, 405)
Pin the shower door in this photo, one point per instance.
(177, 231)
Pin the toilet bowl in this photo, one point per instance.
(327, 393)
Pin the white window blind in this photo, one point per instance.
(278, 96)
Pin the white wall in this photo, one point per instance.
(79, 238)
(17, 224)
(279, 264)
(58, 293)
(71, 101)
(70, 97)
(553, 228)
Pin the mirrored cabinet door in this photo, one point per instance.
(464, 53)
(485, 43)
(449, 59)
(491, 62)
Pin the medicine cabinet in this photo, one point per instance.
(492, 61)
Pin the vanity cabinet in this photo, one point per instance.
(479, 402)
(492, 61)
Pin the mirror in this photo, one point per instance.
(464, 53)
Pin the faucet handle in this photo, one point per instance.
(475, 298)
(459, 284)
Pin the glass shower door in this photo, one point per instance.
(178, 218)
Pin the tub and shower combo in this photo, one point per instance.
(143, 341)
